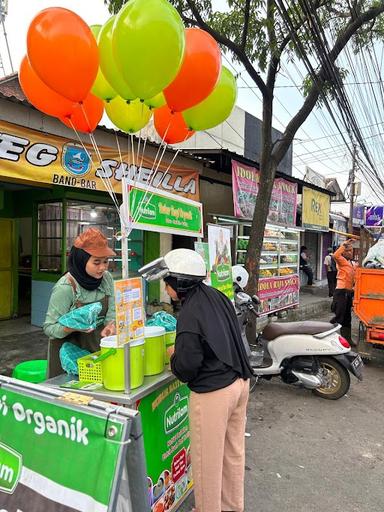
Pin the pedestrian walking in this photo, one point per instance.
(87, 281)
(330, 265)
(343, 294)
(304, 265)
(210, 357)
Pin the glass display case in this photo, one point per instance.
(280, 252)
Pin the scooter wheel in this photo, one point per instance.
(336, 378)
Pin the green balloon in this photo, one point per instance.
(148, 45)
(157, 101)
(108, 64)
(216, 107)
(128, 116)
(101, 87)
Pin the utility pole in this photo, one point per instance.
(351, 183)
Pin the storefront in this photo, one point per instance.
(52, 186)
(315, 220)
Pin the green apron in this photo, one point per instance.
(88, 341)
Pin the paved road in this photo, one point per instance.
(307, 454)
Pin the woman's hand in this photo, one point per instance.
(171, 350)
(109, 330)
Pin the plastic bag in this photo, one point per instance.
(375, 256)
(82, 318)
(163, 319)
(69, 354)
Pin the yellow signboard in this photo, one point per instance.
(32, 156)
(315, 209)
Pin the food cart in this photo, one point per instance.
(162, 401)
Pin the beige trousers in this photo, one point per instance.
(217, 424)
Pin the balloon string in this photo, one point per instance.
(88, 153)
(169, 166)
(137, 213)
(95, 146)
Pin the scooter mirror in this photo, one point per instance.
(255, 299)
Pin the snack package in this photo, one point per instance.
(163, 319)
(82, 318)
(69, 354)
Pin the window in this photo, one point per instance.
(49, 237)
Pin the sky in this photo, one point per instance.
(312, 145)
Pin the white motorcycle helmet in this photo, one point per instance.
(240, 276)
(180, 263)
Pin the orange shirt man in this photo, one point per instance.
(343, 295)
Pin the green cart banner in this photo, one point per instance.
(220, 261)
(152, 210)
(55, 457)
(167, 446)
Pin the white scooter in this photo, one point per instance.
(309, 354)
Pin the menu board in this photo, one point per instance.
(129, 309)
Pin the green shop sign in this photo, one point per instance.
(152, 210)
(56, 456)
(166, 442)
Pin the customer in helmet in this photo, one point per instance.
(210, 357)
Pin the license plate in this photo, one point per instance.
(357, 363)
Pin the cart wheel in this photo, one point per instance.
(336, 379)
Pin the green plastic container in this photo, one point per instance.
(170, 338)
(112, 360)
(31, 371)
(154, 354)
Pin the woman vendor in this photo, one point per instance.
(87, 281)
(210, 357)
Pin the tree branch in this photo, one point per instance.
(246, 24)
(313, 95)
(223, 40)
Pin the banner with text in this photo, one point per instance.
(152, 210)
(276, 293)
(245, 186)
(315, 210)
(374, 216)
(220, 260)
(32, 156)
(55, 456)
(167, 445)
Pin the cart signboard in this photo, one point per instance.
(220, 261)
(167, 445)
(152, 210)
(129, 309)
(55, 456)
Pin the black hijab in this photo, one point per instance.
(77, 261)
(211, 315)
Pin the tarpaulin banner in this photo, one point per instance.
(245, 186)
(374, 216)
(55, 457)
(277, 293)
(220, 260)
(31, 156)
(315, 210)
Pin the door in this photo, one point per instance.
(6, 269)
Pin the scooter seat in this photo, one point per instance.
(276, 329)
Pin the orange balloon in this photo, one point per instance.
(171, 126)
(40, 95)
(63, 52)
(199, 72)
(86, 116)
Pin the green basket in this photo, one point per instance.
(89, 371)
